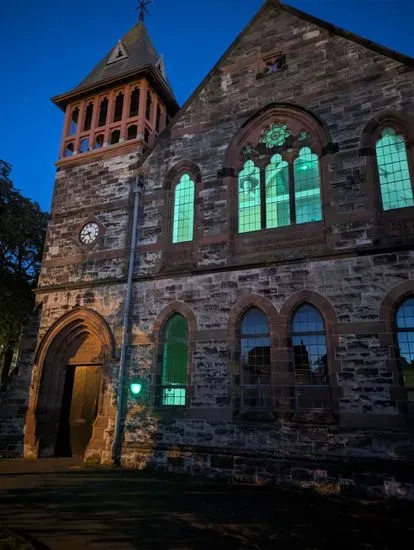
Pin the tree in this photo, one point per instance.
(22, 232)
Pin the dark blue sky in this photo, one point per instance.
(48, 46)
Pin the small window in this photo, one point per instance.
(404, 321)
(74, 121)
(183, 220)
(70, 147)
(88, 117)
(103, 112)
(255, 371)
(84, 145)
(174, 362)
(148, 107)
(158, 119)
(99, 141)
(394, 175)
(115, 137)
(119, 105)
(132, 131)
(134, 105)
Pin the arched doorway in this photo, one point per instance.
(67, 390)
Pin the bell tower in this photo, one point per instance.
(122, 105)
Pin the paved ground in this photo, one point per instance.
(59, 506)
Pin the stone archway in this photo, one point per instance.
(69, 404)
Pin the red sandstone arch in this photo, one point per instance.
(283, 111)
(81, 335)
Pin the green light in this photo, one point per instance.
(135, 388)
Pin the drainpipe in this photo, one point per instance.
(117, 445)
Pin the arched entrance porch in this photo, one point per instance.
(69, 405)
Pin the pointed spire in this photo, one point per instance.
(133, 51)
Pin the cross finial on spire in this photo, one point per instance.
(142, 8)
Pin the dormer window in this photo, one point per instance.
(118, 53)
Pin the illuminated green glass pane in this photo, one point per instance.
(395, 184)
(174, 361)
(277, 193)
(183, 210)
(249, 198)
(307, 187)
(173, 396)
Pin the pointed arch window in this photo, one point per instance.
(310, 359)
(183, 217)
(119, 105)
(255, 371)
(87, 123)
(394, 175)
(286, 192)
(174, 362)
(103, 112)
(148, 106)
(74, 121)
(134, 105)
(404, 323)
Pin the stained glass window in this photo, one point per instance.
(183, 210)
(307, 187)
(291, 195)
(174, 361)
(277, 192)
(310, 359)
(395, 184)
(249, 198)
(405, 340)
(255, 360)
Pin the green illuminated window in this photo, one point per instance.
(395, 184)
(283, 194)
(183, 221)
(307, 187)
(249, 198)
(174, 361)
(277, 192)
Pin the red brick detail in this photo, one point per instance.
(184, 166)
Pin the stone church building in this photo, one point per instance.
(227, 288)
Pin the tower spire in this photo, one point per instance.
(142, 8)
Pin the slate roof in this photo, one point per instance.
(140, 52)
(140, 55)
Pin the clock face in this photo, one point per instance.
(89, 233)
